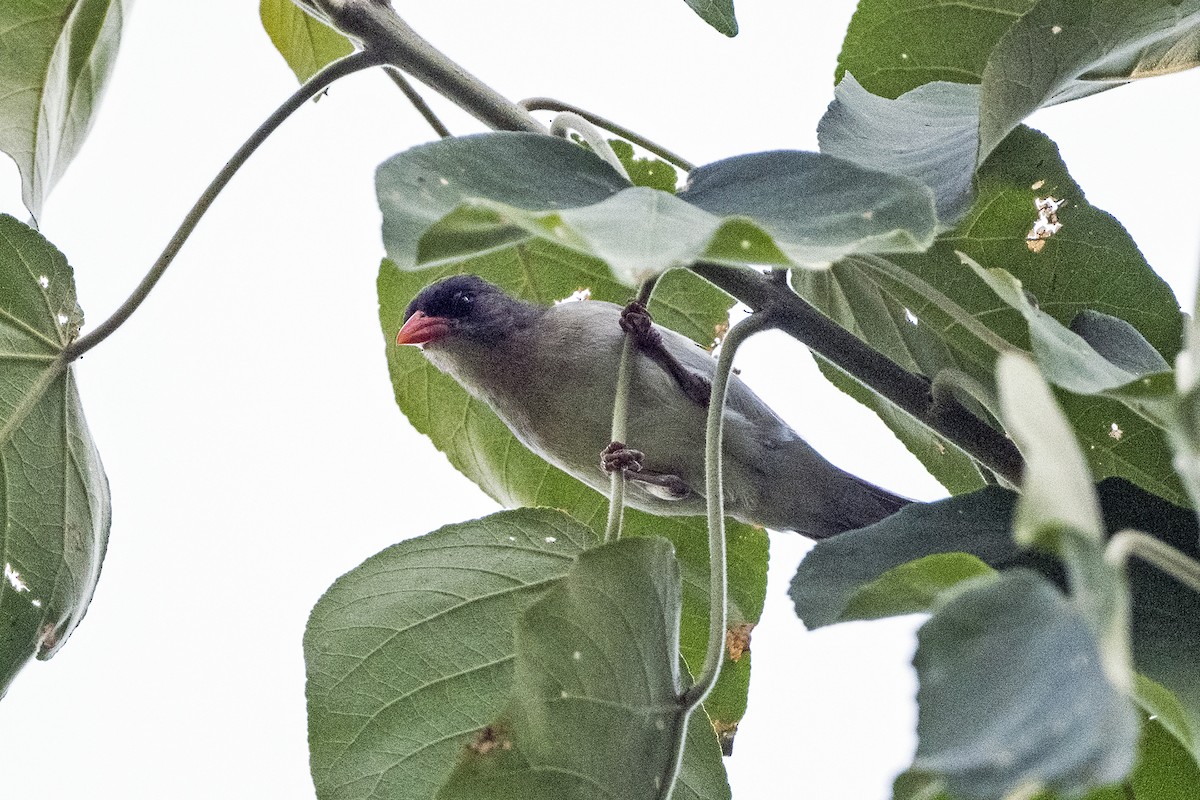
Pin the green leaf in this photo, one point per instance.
(929, 134)
(894, 46)
(306, 43)
(1119, 342)
(410, 654)
(1164, 612)
(717, 13)
(524, 170)
(52, 487)
(449, 202)
(1088, 263)
(816, 208)
(840, 569)
(1164, 771)
(1012, 694)
(479, 445)
(1064, 49)
(1065, 357)
(57, 58)
(1056, 490)
(652, 172)
(914, 586)
(595, 710)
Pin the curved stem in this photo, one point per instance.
(620, 420)
(567, 121)
(339, 69)
(417, 101)
(715, 498)
(550, 104)
(1154, 551)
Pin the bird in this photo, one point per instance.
(550, 373)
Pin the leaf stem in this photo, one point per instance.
(567, 121)
(631, 136)
(715, 499)
(1154, 551)
(620, 420)
(352, 63)
(417, 101)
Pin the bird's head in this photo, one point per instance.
(464, 306)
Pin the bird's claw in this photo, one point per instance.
(619, 457)
(637, 322)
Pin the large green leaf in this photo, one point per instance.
(838, 572)
(1012, 694)
(815, 208)
(1088, 262)
(930, 134)
(479, 445)
(894, 46)
(52, 487)
(595, 710)
(1064, 49)
(410, 654)
(57, 58)
(1164, 771)
(448, 202)
(306, 43)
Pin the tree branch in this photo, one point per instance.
(381, 30)
(911, 393)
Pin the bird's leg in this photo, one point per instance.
(636, 322)
(660, 484)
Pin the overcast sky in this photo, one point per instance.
(246, 419)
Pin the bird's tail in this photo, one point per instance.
(858, 503)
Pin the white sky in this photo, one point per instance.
(246, 419)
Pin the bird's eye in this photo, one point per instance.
(462, 303)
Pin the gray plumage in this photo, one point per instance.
(550, 374)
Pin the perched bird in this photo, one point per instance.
(550, 374)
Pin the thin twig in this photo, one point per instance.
(620, 420)
(350, 64)
(417, 101)
(550, 104)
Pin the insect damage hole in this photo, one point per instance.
(1046, 224)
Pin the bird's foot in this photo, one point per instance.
(660, 484)
(619, 457)
(636, 322)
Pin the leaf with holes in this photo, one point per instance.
(52, 486)
(57, 58)
(1060, 50)
(595, 709)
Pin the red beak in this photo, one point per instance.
(421, 328)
